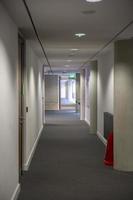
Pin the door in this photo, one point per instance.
(21, 64)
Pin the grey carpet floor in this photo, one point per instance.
(68, 165)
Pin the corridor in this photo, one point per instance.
(66, 84)
(68, 165)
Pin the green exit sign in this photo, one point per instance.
(72, 76)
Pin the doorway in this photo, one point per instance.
(68, 92)
(21, 67)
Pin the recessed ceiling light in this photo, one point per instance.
(74, 49)
(80, 34)
(93, 1)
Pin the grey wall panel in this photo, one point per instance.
(93, 97)
(52, 92)
(123, 106)
(78, 92)
(108, 124)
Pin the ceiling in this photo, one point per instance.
(58, 20)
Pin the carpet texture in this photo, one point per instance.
(68, 165)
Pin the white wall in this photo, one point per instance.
(8, 106)
(43, 98)
(9, 185)
(105, 86)
(34, 94)
(82, 94)
(63, 88)
(87, 95)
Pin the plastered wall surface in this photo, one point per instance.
(105, 86)
(8, 106)
(34, 99)
(87, 95)
(123, 106)
(82, 94)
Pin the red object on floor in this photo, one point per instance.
(108, 160)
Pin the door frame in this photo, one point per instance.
(21, 106)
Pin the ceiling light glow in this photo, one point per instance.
(74, 49)
(80, 34)
(93, 1)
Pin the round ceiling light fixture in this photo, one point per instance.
(93, 1)
(80, 35)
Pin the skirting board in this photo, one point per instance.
(102, 138)
(16, 193)
(27, 164)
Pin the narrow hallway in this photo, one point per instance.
(68, 165)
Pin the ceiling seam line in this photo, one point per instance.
(107, 44)
(37, 35)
